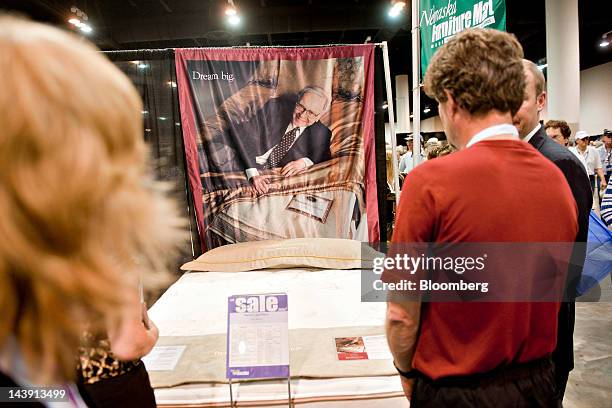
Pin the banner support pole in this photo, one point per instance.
(416, 85)
(396, 186)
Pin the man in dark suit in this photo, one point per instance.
(530, 130)
(285, 133)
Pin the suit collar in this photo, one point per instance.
(539, 138)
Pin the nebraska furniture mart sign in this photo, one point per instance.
(441, 19)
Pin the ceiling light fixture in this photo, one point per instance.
(233, 20)
(232, 13)
(78, 18)
(396, 8)
(606, 39)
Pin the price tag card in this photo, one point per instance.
(257, 336)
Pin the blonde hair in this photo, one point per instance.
(481, 68)
(81, 220)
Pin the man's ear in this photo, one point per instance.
(451, 104)
(541, 101)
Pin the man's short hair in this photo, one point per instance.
(538, 76)
(316, 90)
(482, 69)
(561, 125)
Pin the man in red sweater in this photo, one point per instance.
(479, 354)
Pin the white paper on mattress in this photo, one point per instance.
(196, 304)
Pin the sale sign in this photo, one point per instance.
(257, 336)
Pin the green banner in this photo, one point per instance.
(441, 19)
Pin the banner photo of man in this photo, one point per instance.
(280, 142)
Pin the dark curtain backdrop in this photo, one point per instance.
(153, 74)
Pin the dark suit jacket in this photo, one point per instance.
(576, 177)
(266, 128)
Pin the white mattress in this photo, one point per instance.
(196, 305)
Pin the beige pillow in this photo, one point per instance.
(326, 253)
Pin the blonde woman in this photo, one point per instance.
(80, 220)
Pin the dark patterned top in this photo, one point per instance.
(96, 361)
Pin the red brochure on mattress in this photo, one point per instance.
(351, 348)
(363, 348)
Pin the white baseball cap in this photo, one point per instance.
(581, 134)
(432, 140)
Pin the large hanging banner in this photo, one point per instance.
(280, 142)
(441, 19)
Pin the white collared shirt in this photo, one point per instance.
(590, 158)
(605, 155)
(406, 163)
(261, 160)
(497, 130)
(527, 138)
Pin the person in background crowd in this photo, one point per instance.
(605, 153)
(431, 145)
(406, 161)
(82, 221)
(480, 354)
(531, 131)
(559, 131)
(606, 206)
(591, 157)
(442, 149)
(389, 163)
(432, 142)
